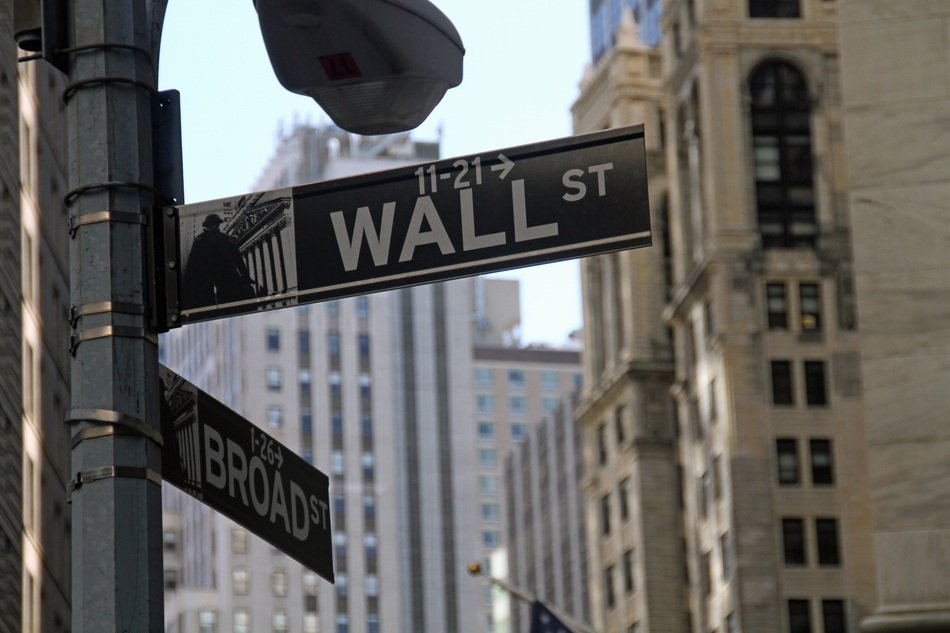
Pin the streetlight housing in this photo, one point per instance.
(374, 66)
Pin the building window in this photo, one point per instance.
(516, 378)
(602, 444)
(605, 515)
(776, 306)
(486, 457)
(725, 555)
(833, 617)
(336, 462)
(333, 343)
(799, 619)
(207, 621)
(279, 621)
(490, 539)
(362, 307)
(619, 422)
(774, 9)
(822, 463)
(486, 431)
(793, 540)
(484, 403)
(275, 416)
(273, 378)
(516, 405)
(623, 492)
(487, 484)
(517, 431)
(483, 376)
(303, 379)
(368, 465)
(490, 512)
(303, 342)
(549, 405)
(629, 585)
(705, 580)
(816, 393)
(311, 623)
(242, 621)
(782, 383)
(371, 586)
(240, 580)
(781, 138)
(610, 598)
(549, 381)
(366, 426)
(787, 452)
(342, 623)
(170, 579)
(278, 582)
(809, 298)
(238, 540)
(364, 346)
(826, 531)
(306, 421)
(273, 339)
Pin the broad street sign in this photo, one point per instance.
(533, 204)
(217, 456)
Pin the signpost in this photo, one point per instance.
(486, 212)
(217, 456)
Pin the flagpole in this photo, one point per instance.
(475, 569)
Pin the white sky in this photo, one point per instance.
(523, 61)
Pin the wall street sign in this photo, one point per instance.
(452, 218)
(217, 456)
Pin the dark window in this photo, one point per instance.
(816, 393)
(306, 421)
(333, 343)
(605, 514)
(781, 150)
(782, 383)
(810, 305)
(725, 553)
(826, 531)
(609, 596)
(832, 616)
(602, 444)
(793, 540)
(366, 426)
(362, 307)
(822, 463)
(623, 492)
(273, 339)
(628, 583)
(787, 452)
(618, 424)
(776, 306)
(303, 341)
(704, 580)
(364, 345)
(799, 620)
(774, 9)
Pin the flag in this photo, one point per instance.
(543, 621)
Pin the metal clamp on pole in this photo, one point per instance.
(125, 331)
(103, 307)
(99, 217)
(111, 472)
(110, 423)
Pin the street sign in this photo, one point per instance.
(217, 456)
(452, 218)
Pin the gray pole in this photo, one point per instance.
(116, 499)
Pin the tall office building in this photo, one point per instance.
(750, 504)
(515, 388)
(34, 339)
(545, 536)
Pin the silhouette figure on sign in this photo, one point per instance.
(215, 271)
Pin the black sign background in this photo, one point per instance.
(192, 421)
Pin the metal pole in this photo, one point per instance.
(475, 569)
(116, 458)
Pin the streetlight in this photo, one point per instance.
(109, 50)
(375, 67)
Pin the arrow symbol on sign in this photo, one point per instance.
(504, 166)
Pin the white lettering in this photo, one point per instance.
(279, 503)
(599, 170)
(318, 512)
(436, 234)
(363, 227)
(296, 495)
(214, 458)
(260, 503)
(574, 184)
(523, 232)
(470, 241)
(237, 469)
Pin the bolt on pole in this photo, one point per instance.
(116, 459)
